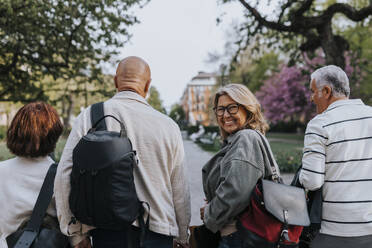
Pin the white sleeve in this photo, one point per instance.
(62, 185)
(313, 160)
(181, 193)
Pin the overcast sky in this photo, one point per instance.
(175, 36)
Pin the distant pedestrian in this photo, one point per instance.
(159, 176)
(232, 174)
(337, 158)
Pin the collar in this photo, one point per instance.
(27, 160)
(126, 94)
(230, 138)
(344, 102)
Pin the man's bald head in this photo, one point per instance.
(133, 73)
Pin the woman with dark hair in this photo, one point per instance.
(230, 176)
(32, 135)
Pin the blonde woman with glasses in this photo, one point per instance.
(231, 175)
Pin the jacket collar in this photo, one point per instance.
(344, 102)
(126, 94)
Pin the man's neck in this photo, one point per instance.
(335, 99)
(132, 89)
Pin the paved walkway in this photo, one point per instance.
(195, 159)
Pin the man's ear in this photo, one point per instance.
(116, 82)
(147, 86)
(327, 91)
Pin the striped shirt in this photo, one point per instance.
(338, 156)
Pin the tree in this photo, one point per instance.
(252, 71)
(361, 44)
(62, 39)
(178, 115)
(155, 101)
(68, 96)
(285, 98)
(306, 23)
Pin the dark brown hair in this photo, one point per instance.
(34, 130)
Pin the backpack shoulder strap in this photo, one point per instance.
(42, 203)
(96, 113)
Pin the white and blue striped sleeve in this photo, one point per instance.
(313, 160)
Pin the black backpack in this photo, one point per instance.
(103, 193)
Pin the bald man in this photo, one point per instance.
(159, 177)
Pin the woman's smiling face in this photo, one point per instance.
(230, 123)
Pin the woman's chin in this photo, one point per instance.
(230, 130)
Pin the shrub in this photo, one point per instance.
(287, 127)
(3, 130)
(192, 129)
(212, 129)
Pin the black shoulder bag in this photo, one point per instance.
(314, 205)
(37, 233)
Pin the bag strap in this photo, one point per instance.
(38, 213)
(275, 175)
(97, 117)
(96, 114)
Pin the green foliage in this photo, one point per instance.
(68, 96)
(253, 72)
(287, 155)
(361, 44)
(5, 153)
(192, 129)
(287, 149)
(3, 130)
(62, 39)
(155, 101)
(287, 127)
(212, 129)
(178, 115)
(295, 27)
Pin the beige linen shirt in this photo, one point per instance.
(160, 175)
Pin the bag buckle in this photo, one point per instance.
(285, 216)
(285, 235)
(275, 177)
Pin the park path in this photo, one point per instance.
(195, 160)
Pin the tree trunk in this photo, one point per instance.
(67, 107)
(333, 48)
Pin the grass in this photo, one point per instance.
(287, 149)
(286, 136)
(287, 155)
(5, 153)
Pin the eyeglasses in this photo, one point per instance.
(231, 109)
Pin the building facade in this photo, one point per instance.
(196, 98)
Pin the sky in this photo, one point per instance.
(175, 37)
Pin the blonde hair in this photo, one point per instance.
(243, 96)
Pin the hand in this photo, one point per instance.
(202, 213)
(85, 243)
(180, 245)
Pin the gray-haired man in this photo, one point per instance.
(338, 157)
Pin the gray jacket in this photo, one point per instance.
(231, 175)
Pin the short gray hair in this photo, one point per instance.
(333, 76)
